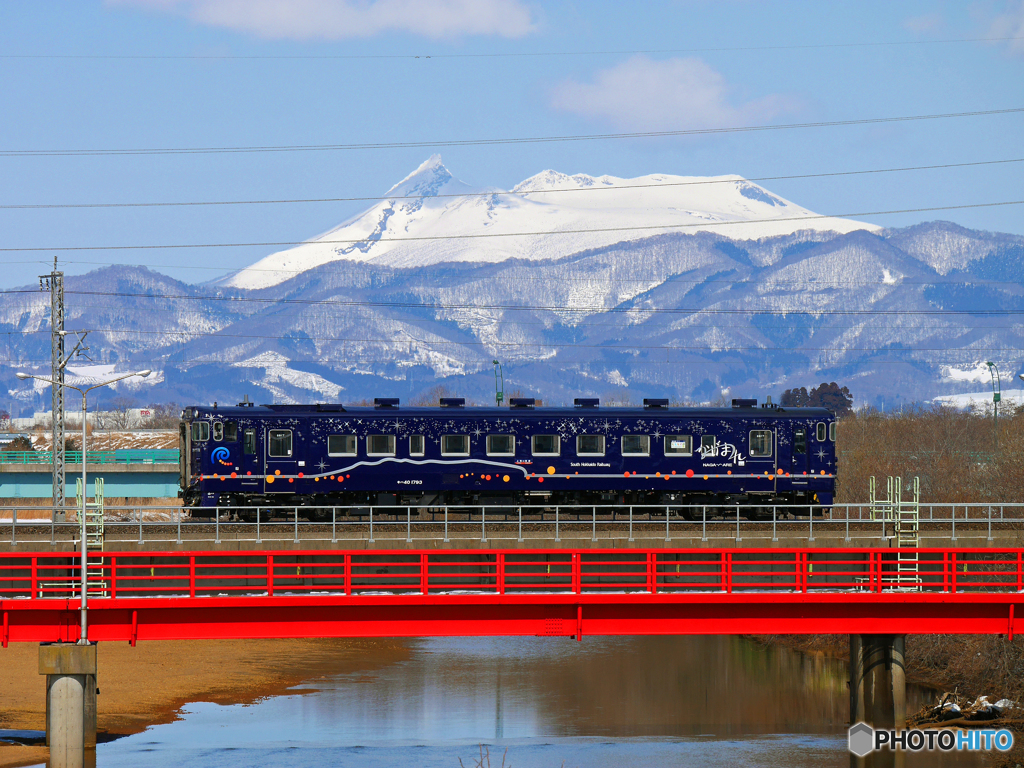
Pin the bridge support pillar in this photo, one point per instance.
(70, 702)
(878, 690)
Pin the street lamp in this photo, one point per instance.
(996, 397)
(84, 638)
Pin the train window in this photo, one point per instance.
(279, 443)
(200, 431)
(832, 431)
(821, 432)
(636, 445)
(760, 443)
(590, 445)
(230, 431)
(708, 446)
(416, 445)
(546, 445)
(678, 445)
(341, 445)
(380, 445)
(249, 444)
(800, 440)
(218, 431)
(501, 445)
(455, 445)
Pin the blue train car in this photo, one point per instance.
(329, 454)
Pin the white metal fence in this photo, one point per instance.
(795, 524)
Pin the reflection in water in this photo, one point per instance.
(604, 702)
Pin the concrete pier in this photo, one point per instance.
(878, 690)
(70, 702)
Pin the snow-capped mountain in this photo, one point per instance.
(431, 217)
(689, 313)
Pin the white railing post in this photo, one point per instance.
(556, 523)
(216, 520)
(593, 519)
(371, 524)
(738, 536)
(178, 515)
(408, 524)
(630, 522)
(953, 519)
(810, 518)
(14, 526)
(258, 514)
(483, 525)
(296, 525)
(667, 511)
(446, 525)
(704, 523)
(334, 524)
(775, 510)
(520, 510)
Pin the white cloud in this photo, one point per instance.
(340, 19)
(1011, 24)
(931, 22)
(677, 94)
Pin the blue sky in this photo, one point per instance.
(352, 78)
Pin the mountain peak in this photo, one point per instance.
(427, 180)
(548, 216)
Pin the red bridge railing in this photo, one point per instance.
(376, 593)
(39, 576)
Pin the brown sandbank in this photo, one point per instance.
(148, 684)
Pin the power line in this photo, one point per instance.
(484, 235)
(499, 193)
(554, 308)
(495, 142)
(521, 54)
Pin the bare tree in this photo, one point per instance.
(163, 415)
(119, 415)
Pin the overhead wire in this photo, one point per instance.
(813, 311)
(497, 54)
(490, 235)
(512, 192)
(497, 142)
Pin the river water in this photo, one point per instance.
(602, 703)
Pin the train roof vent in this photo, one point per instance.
(246, 402)
(330, 407)
(587, 402)
(385, 402)
(655, 402)
(744, 402)
(453, 402)
(522, 402)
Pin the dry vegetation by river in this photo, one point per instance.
(952, 451)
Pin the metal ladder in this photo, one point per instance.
(881, 509)
(907, 515)
(94, 535)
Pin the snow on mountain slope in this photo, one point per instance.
(431, 217)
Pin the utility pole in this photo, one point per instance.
(54, 283)
(997, 389)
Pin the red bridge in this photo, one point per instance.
(373, 593)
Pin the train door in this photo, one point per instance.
(251, 464)
(801, 439)
(280, 464)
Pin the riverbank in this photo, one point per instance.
(972, 665)
(147, 685)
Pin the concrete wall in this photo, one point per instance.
(33, 481)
